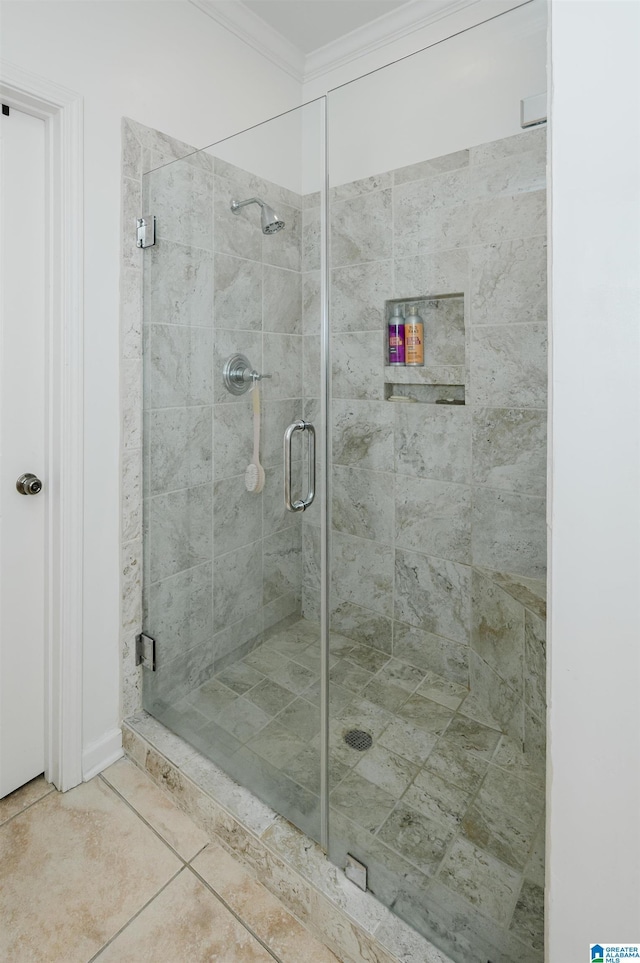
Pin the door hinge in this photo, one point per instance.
(146, 651)
(356, 871)
(146, 230)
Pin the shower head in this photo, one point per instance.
(271, 223)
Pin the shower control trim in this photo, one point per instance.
(302, 503)
(239, 374)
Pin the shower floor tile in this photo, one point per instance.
(435, 789)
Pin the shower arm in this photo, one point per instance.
(236, 205)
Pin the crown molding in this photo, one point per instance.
(379, 33)
(257, 33)
(405, 20)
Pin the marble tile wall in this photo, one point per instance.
(221, 564)
(428, 499)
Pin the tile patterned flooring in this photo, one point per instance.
(113, 871)
(447, 812)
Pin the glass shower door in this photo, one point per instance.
(437, 679)
(234, 434)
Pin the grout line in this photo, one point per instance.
(141, 817)
(115, 936)
(27, 808)
(230, 909)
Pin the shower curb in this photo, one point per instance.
(353, 924)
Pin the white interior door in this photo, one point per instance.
(22, 448)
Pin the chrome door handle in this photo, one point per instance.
(29, 484)
(300, 504)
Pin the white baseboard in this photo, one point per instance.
(102, 753)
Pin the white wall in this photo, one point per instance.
(456, 94)
(166, 65)
(594, 753)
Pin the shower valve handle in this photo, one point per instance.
(239, 374)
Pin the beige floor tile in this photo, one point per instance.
(185, 923)
(25, 796)
(157, 808)
(259, 908)
(75, 867)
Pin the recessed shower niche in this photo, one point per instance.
(442, 376)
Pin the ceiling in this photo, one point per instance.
(310, 24)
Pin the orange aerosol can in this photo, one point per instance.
(414, 337)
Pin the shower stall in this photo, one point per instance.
(344, 559)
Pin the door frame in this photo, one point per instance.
(62, 112)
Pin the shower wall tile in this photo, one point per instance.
(181, 197)
(433, 594)
(444, 330)
(131, 209)
(358, 294)
(515, 174)
(235, 234)
(179, 612)
(358, 371)
(131, 525)
(232, 439)
(180, 448)
(362, 503)
(237, 293)
(497, 631)
(311, 304)
(492, 702)
(429, 168)
(361, 229)
(433, 517)
(180, 369)
(509, 366)
(282, 304)
(433, 441)
(363, 434)
(275, 516)
(239, 184)
(180, 531)
(431, 215)
(276, 417)
(533, 139)
(363, 572)
(496, 219)
(225, 343)
(237, 515)
(442, 272)
(284, 249)
(535, 662)
(427, 651)
(237, 585)
(510, 449)
(178, 285)
(282, 555)
(182, 675)
(509, 533)
(238, 639)
(311, 370)
(365, 185)
(131, 314)
(361, 624)
(311, 238)
(509, 281)
(131, 403)
(283, 361)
